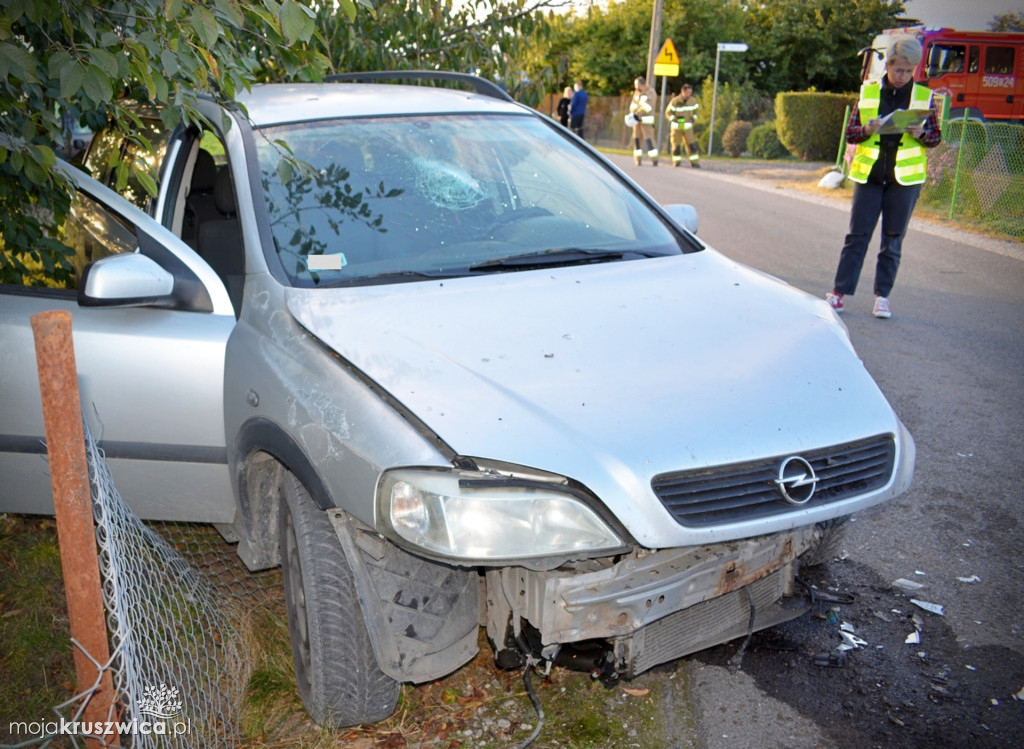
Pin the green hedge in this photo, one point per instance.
(763, 142)
(810, 123)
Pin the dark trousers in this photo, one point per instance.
(576, 124)
(895, 203)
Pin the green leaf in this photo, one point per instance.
(172, 8)
(17, 63)
(97, 85)
(285, 172)
(104, 61)
(205, 25)
(169, 62)
(71, 77)
(44, 155)
(147, 182)
(296, 22)
(348, 7)
(231, 10)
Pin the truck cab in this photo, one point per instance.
(981, 73)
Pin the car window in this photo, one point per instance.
(111, 147)
(441, 194)
(93, 231)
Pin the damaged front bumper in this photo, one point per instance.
(652, 606)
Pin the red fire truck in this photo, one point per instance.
(980, 72)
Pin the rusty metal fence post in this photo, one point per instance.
(72, 499)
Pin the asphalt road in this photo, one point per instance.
(951, 361)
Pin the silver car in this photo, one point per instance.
(450, 368)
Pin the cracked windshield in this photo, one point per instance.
(403, 198)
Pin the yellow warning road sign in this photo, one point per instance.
(667, 61)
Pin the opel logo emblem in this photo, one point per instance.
(796, 481)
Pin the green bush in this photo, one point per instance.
(705, 136)
(763, 142)
(810, 123)
(735, 139)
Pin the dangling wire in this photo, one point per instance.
(530, 663)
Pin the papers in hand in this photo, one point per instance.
(899, 120)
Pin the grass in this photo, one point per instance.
(478, 706)
(35, 646)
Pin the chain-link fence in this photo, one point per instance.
(976, 175)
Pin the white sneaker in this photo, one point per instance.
(882, 308)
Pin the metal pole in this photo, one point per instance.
(842, 138)
(661, 108)
(653, 45)
(714, 101)
(959, 162)
(72, 501)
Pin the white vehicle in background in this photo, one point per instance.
(450, 368)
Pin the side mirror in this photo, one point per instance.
(683, 214)
(125, 280)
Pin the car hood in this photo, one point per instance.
(610, 374)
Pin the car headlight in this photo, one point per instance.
(483, 517)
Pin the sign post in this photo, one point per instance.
(722, 47)
(666, 65)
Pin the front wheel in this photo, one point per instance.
(335, 668)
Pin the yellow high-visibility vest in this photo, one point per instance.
(911, 159)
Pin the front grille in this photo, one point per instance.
(747, 491)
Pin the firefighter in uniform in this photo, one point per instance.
(681, 112)
(641, 115)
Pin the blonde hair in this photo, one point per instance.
(567, 93)
(906, 48)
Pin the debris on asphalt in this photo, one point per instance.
(934, 608)
(850, 641)
(905, 584)
(914, 638)
(1019, 696)
(830, 660)
(971, 579)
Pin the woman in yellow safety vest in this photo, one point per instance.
(889, 167)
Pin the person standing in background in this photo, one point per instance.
(682, 112)
(563, 107)
(577, 108)
(642, 108)
(888, 169)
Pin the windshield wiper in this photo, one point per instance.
(558, 256)
(398, 276)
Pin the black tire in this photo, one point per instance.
(335, 668)
(828, 540)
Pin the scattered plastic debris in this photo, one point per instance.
(969, 667)
(914, 638)
(847, 627)
(918, 572)
(971, 579)
(850, 642)
(906, 584)
(830, 660)
(934, 608)
(1019, 696)
(995, 702)
(883, 617)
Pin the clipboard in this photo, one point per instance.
(899, 120)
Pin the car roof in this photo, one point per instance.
(280, 103)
